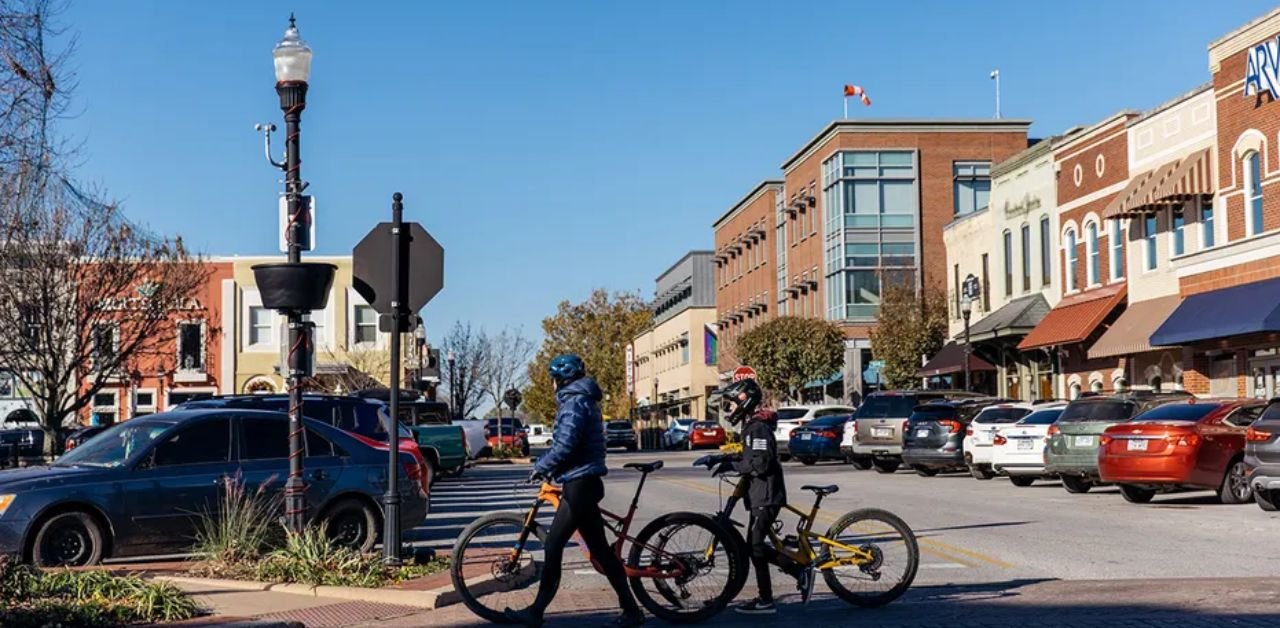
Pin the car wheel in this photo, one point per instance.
(1266, 500)
(352, 524)
(808, 461)
(1075, 484)
(1136, 494)
(1022, 480)
(71, 539)
(886, 466)
(925, 472)
(1235, 485)
(860, 463)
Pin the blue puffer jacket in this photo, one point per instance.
(577, 450)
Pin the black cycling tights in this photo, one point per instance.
(580, 510)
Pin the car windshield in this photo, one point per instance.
(1041, 417)
(618, 425)
(829, 421)
(1000, 415)
(114, 447)
(886, 406)
(933, 413)
(1110, 411)
(1190, 412)
(791, 414)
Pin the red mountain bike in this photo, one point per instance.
(680, 566)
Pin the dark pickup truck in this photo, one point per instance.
(444, 444)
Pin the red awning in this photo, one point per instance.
(950, 359)
(1075, 318)
(1193, 179)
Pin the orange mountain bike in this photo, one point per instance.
(680, 565)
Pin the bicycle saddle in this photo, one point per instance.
(644, 467)
(821, 490)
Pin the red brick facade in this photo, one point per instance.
(745, 271)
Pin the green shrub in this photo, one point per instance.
(33, 598)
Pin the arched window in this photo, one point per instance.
(1253, 190)
(1008, 263)
(1091, 240)
(1096, 386)
(1155, 383)
(1075, 391)
(1070, 245)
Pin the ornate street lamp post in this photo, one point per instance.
(966, 308)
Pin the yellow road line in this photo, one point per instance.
(933, 547)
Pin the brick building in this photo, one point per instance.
(745, 265)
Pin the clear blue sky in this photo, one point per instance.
(553, 147)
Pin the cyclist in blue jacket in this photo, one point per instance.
(576, 461)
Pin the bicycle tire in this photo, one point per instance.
(472, 598)
(661, 530)
(898, 526)
(742, 555)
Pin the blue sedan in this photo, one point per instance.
(818, 439)
(141, 487)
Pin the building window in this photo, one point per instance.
(105, 409)
(1008, 263)
(1071, 259)
(986, 286)
(1117, 250)
(1178, 226)
(144, 403)
(1095, 258)
(104, 344)
(1046, 253)
(365, 330)
(259, 325)
(1206, 225)
(1026, 258)
(972, 186)
(955, 274)
(1253, 190)
(1149, 234)
(191, 346)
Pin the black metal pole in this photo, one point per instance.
(453, 388)
(968, 385)
(293, 97)
(399, 273)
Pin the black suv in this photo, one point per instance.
(933, 441)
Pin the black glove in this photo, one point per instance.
(536, 477)
(725, 466)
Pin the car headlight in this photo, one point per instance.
(5, 501)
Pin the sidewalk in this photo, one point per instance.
(257, 608)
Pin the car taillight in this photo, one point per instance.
(954, 427)
(1254, 435)
(825, 433)
(1053, 431)
(999, 440)
(412, 471)
(967, 432)
(1188, 440)
(1105, 440)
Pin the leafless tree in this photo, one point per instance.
(470, 351)
(508, 364)
(353, 370)
(85, 295)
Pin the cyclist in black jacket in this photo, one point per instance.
(766, 491)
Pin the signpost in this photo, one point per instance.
(398, 267)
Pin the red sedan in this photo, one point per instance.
(1193, 444)
(706, 434)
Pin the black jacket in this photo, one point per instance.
(759, 463)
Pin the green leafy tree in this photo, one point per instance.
(910, 324)
(598, 330)
(790, 351)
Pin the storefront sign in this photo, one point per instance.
(1028, 204)
(134, 304)
(631, 369)
(1261, 69)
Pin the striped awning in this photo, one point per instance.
(1193, 179)
(1138, 195)
(1119, 206)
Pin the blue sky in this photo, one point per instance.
(554, 147)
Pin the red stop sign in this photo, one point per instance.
(743, 372)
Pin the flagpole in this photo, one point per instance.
(846, 107)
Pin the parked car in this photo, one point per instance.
(507, 432)
(364, 419)
(539, 435)
(934, 438)
(875, 437)
(1262, 456)
(1072, 450)
(818, 439)
(706, 434)
(620, 434)
(980, 435)
(21, 443)
(443, 444)
(676, 435)
(78, 437)
(1193, 444)
(140, 487)
(1018, 450)
(791, 417)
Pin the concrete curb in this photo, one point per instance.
(430, 599)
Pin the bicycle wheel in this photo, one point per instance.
(490, 573)
(697, 546)
(887, 576)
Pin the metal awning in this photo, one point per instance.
(1193, 179)
(1075, 318)
(1015, 318)
(1245, 309)
(1131, 332)
(950, 359)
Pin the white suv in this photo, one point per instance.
(981, 434)
(791, 417)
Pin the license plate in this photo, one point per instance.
(922, 433)
(1025, 444)
(882, 432)
(1137, 444)
(708, 433)
(1085, 441)
(806, 436)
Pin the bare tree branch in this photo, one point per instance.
(507, 364)
(470, 350)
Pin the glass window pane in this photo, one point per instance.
(862, 221)
(863, 197)
(899, 197)
(264, 439)
(964, 197)
(863, 287)
(859, 159)
(895, 158)
(982, 194)
(205, 442)
(898, 220)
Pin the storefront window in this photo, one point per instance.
(1149, 233)
(1253, 190)
(1008, 263)
(1179, 242)
(1026, 258)
(1095, 267)
(1071, 260)
(1046, 253)
(1206, 225)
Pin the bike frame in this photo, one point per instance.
(620, 525)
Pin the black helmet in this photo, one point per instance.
(740, 400)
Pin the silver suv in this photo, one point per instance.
(878, 425)
(1262, 456)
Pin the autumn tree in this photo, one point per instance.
(910, 324)
(790, 351)
(85, 294)
(598, 330)
(470, 350)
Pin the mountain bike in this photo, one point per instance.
(679, 565)
(868, 557)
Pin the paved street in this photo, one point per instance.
(991, 552)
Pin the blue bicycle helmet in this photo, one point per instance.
(566, 367)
